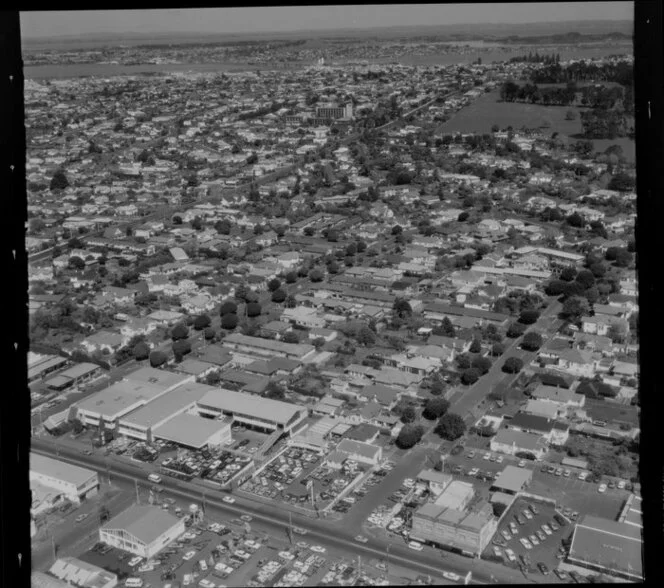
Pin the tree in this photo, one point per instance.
(437, 387)
(568, 273)
(179, 331)
(59, 180)
(402, 308)
(408, 415)
(202, 321)
(512, 365)
(576, 220)
(333, 267)
(623, 258)
(463, 361)
(463, 217)
(497, 349)
(532, 341)
(275, 391)
(229, 321)
(180, 348)
(253, 309)
(475, 346)
(397, 230)
(516, 330)
(273, 284)
(435, 408)
(228, 307)
(290, 337)
(621, 182)
(617, 332)
(574, 308)
(528, 316)
(447, 328)
(141, 351)
(76, 263)
(365, 336)
(470, 376)
(409, 436)
(315, 275)
(197, 223)
(554, 288)
(450, 426)
(223, 227)
(291, 277)
(279, 296)
(482, 364)
(585, 278)
(209, 333)
(498, 509)
(318, 343)
(177, 219)
(158, 358)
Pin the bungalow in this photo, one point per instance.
(384, 395)
(547, 410)
(120, 295)
(601, 324)
(303, 316)
(399, 379)
(513, 442)
(104, 341)
(136, 326)
(551, 430)
(420, 366)
(198, 303)
(576, 362)
(564, 397)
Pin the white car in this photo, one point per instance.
(318, 548)
(416, 545)
(525, 543)
(499, 459)
(451, 576)
(497, 551)
(228, 499)
(511, 556)
(302, 545)
(474, 472)
(203, 565)
(486, 457)
(134, 561)
(205, 583)
(246, 518)
(187, 556)
(602, 488)
(361, 539)
(522, 463)
(621, 484)
(547, 529)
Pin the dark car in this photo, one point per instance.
(543, 568)
(456, 450)
(534, 508)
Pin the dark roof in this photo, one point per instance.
(531, 422)
(362, 432)
(452, 310)
(560, 380)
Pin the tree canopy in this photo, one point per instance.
(435, 408)
(512, 365)
(450, 426)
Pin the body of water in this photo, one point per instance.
(40, 72)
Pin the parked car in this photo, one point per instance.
(522, 463)
(318, 548)
(533, 539)
(543, 568)
(534, 509)
(602, 488)
(566, 473)
(511, 556)
(540, 535)
(361, 539)
(473, 472)
(506, 534)
(187, 556)
(228, 499)
(82, 517)
(415, 545)
(559, 472)
(554, 526)
(525, 543)
(486, 457)
(562, 575)
(547, 529)
(519, 519)
(497, 551)
(470, 454)
(527, 514)
(621, 484)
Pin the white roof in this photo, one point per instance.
(241, 403)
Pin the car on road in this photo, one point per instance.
(533, 539)
(228, 499)
(318, 548)
(525, 543)
(246, 518)
(187, 556)
(543, 568)
(451, 576)
(522, 463)
(415, 545)
(300, 530)
(82, 517)
(602, 488)
(88, 452)
(361, 539)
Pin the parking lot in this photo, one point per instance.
(528, 517)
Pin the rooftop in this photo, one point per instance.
(60, 470)
(274, 411)
(190, 430)
(146, 523)
(513, 478)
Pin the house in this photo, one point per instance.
(384, 395)
(576, 362)
(120, 295)
(514, 442)
(550, 430)
(600, 324)
(303, 316)
(563, 397)
(548, 410)
(104, 341)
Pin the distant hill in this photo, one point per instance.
(459, 32)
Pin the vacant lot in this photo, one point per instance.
(487, 110)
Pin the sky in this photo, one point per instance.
(298, 18)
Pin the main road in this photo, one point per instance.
(331, 534)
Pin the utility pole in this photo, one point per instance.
(138, 498)
(387, 563)
(53, 547)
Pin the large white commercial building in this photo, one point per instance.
(253, 411)
(72, 482)
(135, 390)
(142, 530)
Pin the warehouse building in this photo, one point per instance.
(361, 452)
(142, 530)
(39, 366)
(69, 481)
(82, 574)
(135, 390)
(255, 346)
(76, 375)
(609, 547)
(252, 411)
(141, 423)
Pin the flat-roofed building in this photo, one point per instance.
(512, 480)
(256, 346)
(142, 530)
(195, 432)
(468, 532)
(73, 482)
(141, 423)
(135, 390)
(39, 366)
(436, 481)
(457, 495)
(608, 547)
(254, 411)
(361, 452)
(74, 376)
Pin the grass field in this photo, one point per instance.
(487, 110)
